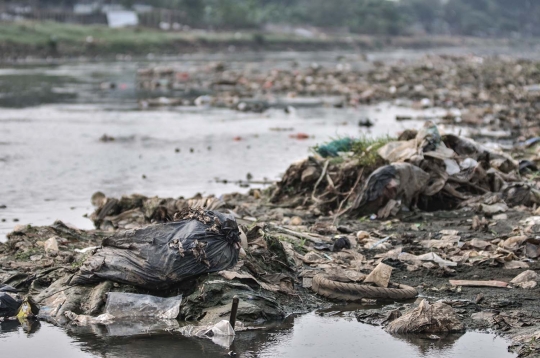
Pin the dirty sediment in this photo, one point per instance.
(432, 222)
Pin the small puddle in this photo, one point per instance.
(319, 336)
(309, 335)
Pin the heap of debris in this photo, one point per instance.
(489, 92)
(428, 171)
(460, 224)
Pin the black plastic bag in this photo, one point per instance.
(159, 256)
(340, 243)
(398, 181)
(8, 288)
(9, 306)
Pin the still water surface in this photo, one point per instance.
(309, 336)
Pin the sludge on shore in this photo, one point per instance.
(430, 213)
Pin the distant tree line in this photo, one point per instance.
(386, 17)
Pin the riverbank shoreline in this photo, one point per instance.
(57, 41)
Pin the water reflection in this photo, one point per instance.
(317, 336)
(37, 339)
(427, 344)
(309, 335)
(28, 326)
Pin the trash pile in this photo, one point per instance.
(427, 171)
(202, 256)
(311, 239)
(360, 220)
(190, 267)
(314, 79)
(480, 92)
(422, 171)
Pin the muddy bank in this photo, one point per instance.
(281, 247)
(428, 214)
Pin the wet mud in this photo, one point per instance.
(325, 216)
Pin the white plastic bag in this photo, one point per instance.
(223, 328)
(221, 333)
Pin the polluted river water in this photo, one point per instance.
(309, 335)
(52, 160)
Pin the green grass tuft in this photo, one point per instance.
(365, 149)
(78, 263)
(25, 256)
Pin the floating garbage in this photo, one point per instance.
(221, 333)
(129, 314)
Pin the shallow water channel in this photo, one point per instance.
(51, 161)
(310, 335)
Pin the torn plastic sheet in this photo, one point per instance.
(121, 305)
(431, 256)
(221, 333)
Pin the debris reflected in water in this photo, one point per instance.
(344, 337)
(309, 335)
